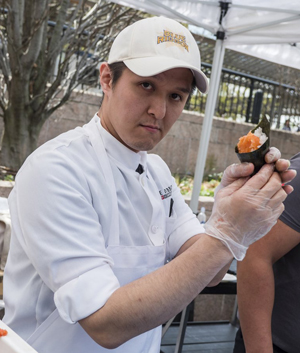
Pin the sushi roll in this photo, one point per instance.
(253, 146)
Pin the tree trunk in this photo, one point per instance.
(19, 139)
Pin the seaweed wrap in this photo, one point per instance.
(253, 146)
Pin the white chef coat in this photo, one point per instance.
(85, 222)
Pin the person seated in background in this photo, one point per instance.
(268, 284)
(104, 248)
(286, 125)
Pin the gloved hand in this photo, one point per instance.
(236, 171)
(245, 210)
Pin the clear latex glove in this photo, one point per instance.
(245, 210)
(235, 171)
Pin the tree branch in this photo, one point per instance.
(73, 79)
(60, 104)
(31, 26)
(55, 40)
(15, 22)
(30, 56)
(2, 104)
(4, 64)
(14, 32)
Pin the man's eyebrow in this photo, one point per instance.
(182, 89)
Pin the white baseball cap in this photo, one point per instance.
(157, 44)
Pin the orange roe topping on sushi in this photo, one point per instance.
(3, 332)
(248, 143)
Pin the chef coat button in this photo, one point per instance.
(154, 229)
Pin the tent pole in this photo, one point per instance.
(207, 121)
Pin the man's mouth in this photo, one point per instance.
(151, 128)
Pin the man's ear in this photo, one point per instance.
(105, 78)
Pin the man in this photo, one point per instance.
(95, 218)
(269, 284)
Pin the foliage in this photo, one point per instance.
(214, 176)
(7, 174)
(208, 186)
(9, 177)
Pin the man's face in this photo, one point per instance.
(139, 111)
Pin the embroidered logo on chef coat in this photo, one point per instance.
(165, 193)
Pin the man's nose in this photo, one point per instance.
(158, 107)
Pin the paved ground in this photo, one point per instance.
(202, 338)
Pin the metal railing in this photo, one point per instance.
(245, 97)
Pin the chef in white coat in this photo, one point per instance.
(103, 248)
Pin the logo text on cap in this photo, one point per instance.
(175, 38)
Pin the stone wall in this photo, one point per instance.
(180, 147)
(76, 112)
(5, 188)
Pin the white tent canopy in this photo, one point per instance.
(282, 54)
(268, 29)
(250, 22)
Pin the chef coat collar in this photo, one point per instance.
(120, 153)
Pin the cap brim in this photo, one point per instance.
(150, 66)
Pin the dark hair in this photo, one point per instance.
(116, 70)
(192, 91)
